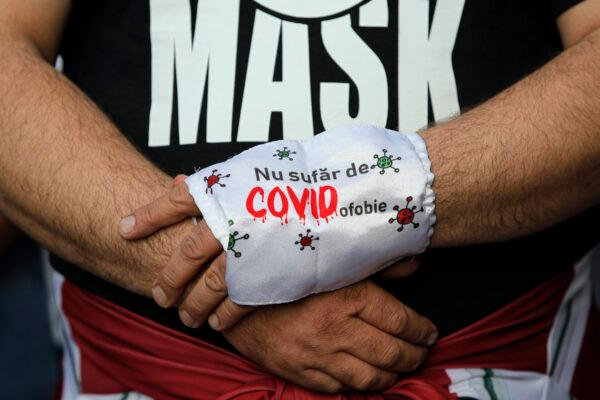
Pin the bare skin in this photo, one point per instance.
(85, 176)
(344, 351)
(514, 162)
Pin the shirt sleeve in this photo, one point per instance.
(557, 7)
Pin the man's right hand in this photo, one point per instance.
(359, 337)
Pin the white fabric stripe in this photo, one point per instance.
(507, 385)
(71, 354)
(71, 362)
(53, 311)
(117, 396)
(467, 383)
(503, 385)
(564, 342)
(527, 385)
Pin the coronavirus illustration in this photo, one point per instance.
(214, 179)
(306, 240)
(385, 161)
(405, 216)
(285, 153)
(233, 239)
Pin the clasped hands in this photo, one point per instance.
(358, 337)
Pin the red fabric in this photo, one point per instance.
(122, 351)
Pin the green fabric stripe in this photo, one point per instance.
(489, 384)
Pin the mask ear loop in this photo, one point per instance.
(195, 219)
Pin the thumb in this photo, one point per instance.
(401, 269)
(178, 180)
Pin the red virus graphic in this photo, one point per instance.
(306, 240)
(214, 179)
(406, 215)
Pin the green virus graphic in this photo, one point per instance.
(385, 161)
(285, 153)
(306, 240)
(233, 239)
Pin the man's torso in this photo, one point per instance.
(193, 83)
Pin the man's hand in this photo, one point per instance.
(199, 248)
(359, 337)
(205, 293)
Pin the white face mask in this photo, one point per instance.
(303, 217)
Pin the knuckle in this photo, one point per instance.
(191, 248)
(399, 320)
(143, 216)
(229, 314)
(169, 278)
(390, 356)
(366, 381)
(194, 305)
(330, 387)
(178, 199)
(225, 312)
(214, 280)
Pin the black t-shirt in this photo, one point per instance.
(193, 83)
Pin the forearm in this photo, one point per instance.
(68, 175)
(525, 160)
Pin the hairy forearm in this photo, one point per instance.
(525, 160)
(68, 175)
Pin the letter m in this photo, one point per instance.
(178, 57)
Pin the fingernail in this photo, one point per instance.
(159, 296)
(187, 319)
(214, 322)
(432, 338)
(126, 225)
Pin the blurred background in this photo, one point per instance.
(29, 343)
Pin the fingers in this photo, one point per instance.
(227, 314)
(382, 350)
(208, 293)
(385, 312)
(357, 374)
(178, 180)
(168, 209)
(198, 248)
(401, 269)
(316, 380)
